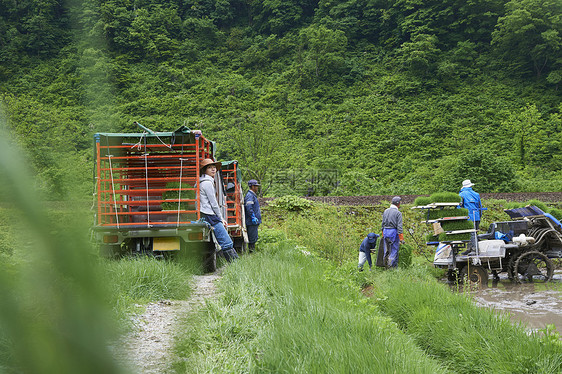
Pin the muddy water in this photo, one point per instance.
(533, 304)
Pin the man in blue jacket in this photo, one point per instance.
(470, 200)
(365, 249)
(252, 213)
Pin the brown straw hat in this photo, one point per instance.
(206, 162)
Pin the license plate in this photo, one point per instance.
(166, 244)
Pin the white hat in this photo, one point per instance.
(467, 183)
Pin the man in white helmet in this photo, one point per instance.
(470, 200)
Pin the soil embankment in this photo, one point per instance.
(547, 197)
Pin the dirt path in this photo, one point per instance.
(148, 348)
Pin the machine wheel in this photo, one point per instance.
(210, 258)
(452, 275)
(533, 266)
(474, 275)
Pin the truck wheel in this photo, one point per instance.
(240, 246)
(474, 275)
(533, 266)
(210, 258)
(109, 250)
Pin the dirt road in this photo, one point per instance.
(148, 348)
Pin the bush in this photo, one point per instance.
(557, 213)
(291, 203)
(539, 204)
(269, 236)
(405, 256)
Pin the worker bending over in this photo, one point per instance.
(365, 249)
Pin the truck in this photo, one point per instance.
(147, 195)
(524, 247)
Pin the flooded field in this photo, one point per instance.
(536, 305)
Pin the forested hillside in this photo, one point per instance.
(340, 97)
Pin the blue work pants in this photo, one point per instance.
(391, 247)
(252, 231)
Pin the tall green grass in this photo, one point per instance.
(282, 311)
(463, 336)
(132, 281)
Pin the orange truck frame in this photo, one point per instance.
(147, 194)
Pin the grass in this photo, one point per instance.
(283, 311)
(133, 281)
(280, 310)
(451, 328)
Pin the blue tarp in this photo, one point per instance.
(524, 212)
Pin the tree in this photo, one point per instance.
(420, 55)
(321, 51)
(490, 172)
(529, 36)
(257, 141)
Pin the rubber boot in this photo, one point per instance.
(251, 247)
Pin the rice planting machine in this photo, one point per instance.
(147, 194)
(524, 247)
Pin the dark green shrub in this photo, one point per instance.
(514, 205)
(557, 213)
(539, 204)
(405, 256)
(268, 236)
(291, 203)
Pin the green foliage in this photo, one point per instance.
(529, 35)
(291, 203)
(539, 204)
(397, 97)
(514, 205)
(452, 237)
(557, 213)
(271, 236)
(52, 298)
(405, 256)
(489, 172)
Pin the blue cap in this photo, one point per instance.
(396, 200)
(372, 237)
(253, 182)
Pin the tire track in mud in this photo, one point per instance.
(148, 349)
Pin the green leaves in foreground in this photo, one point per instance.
(53, 318)
(278, 313)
